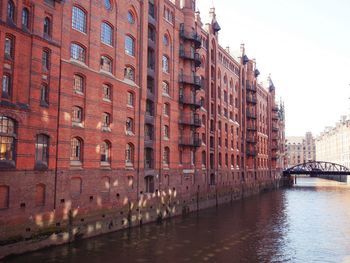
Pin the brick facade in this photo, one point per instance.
(142, 103)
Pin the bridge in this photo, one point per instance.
(315, 168)
(321, 169)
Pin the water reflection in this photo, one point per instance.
(308, 223)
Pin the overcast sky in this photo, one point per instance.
(304, 44)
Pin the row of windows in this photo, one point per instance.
(79, 87)
(79, 23)
(8, 138)
(78, 52)
(78, 117)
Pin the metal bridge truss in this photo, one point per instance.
(317, 168)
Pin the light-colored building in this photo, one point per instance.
(300, 149)
(333, 144)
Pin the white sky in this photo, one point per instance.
(304, 44)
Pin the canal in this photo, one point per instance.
(307, 223)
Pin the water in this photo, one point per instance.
(308, 223)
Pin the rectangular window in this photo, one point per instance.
(44, 95)
(78, 52)
(6, 86)
(130, 100)
(129, 46)
(45, 60)
(78, 84)
(151, 9)
(42, 149)
(107, 92)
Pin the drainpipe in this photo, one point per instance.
(140, 98)
(58, 120)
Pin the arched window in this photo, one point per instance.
(9, 47)
(76, 150)
(105, 152)
(129, 154)
(129, 73)
(106, 34)
(42, 150)
(226, 159)
(25, 18)
(166, 156)
(44, 95)
(130, 17)
(129, 45)
(77, 114)
(77, 52)
(11, 10)
(165, 86)
(78, 83)
(47, 27)
(220, 159)
(165, 64)
(106, 64)
(7, 139)
(4, 196)
(40, 191)
(108, 4)
(78, 19)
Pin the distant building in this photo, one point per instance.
(333, 144)
(300, 149)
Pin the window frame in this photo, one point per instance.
(8, 92)
(8, 137)
(79, 19)
(77, 150)
(165, 64)
(106, 33)
(78, 52)
(44, 95)
(44, 141)
(106, 157)
(47, 30)
(130, 45)
(25, 18)
(11, 11)
(106, 64)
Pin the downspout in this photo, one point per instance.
(58, 117)
(140, 99)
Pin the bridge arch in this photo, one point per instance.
(317, 168)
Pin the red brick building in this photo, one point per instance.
(119, 112)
